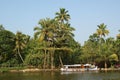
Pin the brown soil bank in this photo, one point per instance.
(33, 70)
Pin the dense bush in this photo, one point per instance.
(35, 60)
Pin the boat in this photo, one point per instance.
(79, 67)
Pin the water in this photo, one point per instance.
(61, 76)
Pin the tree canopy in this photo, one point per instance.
(53, 45)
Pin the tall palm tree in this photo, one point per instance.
(62, 15)
(65, 30)
(54, 32)
(45, 33)
(102, 32)
(20, 43)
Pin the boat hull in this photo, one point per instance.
(64, 69)
(79, 67)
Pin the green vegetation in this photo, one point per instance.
(53, 45)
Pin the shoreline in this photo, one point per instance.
(38, 70)
(33, 70)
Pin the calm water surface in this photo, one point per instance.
(61, 76)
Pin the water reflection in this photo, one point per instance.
(94, 75)
(61, 76)
(79, 72)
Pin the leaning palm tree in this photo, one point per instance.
(20, 43)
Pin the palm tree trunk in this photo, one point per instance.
(60, 61)
(52, 59)
(20, 55)
(105, 65)
(44, 60)
(48, 60)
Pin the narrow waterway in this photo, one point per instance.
(110, 75)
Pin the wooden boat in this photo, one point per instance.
(79, 67)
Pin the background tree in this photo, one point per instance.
(90, 49)
(6, 45)
(117, 44)
(1, 28)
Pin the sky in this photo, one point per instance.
(24, 15)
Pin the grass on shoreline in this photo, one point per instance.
(7, 69)
(27, 69)
(23, 69)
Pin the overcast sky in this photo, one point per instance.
(23, 15)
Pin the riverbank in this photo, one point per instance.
(109, 69)
(22, 69)
(33, 70)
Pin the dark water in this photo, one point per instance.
(61, 76)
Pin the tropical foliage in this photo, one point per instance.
(53, 45)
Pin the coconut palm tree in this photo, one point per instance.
(20, 43)
(65, 30)
(62, 15)
(102, 32)
(46, 33)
